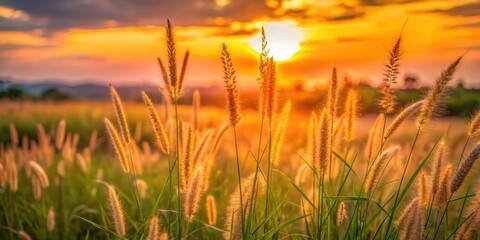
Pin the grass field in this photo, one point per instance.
(108, 170)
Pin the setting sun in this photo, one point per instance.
(286, 42)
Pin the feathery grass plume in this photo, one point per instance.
(389, 99)
(13, 135)
(324, 143)
(333, 94)
(153, 228)
(211, 210)
(92, 144)
(474, 126)
(142, 187)
(23, 235)
(351, 113)
(280, 132)
(161, 137)
(230, 78)
(40, 173)
(423, 193)
(117, 211)
(471, 224)
(117, 145)
(36, 188)
(270, 89)
(233, 217)
(121, 117)
(464, 168)
(202, 148)
(467, 229)
(60, 134)
(401, 117)
(263, 67)
(377, 168)
(195, 108)
(375, 137)
(173, 83)
(444, 191)
(302, 174)
(312, 141)
(186, 165)
(405, 221)
(164, 236)
(436, 168)
(194, 193)
(50, 220)
(435, 96)
(82, 163)
(341, 213)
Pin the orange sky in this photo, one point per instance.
(353, 35)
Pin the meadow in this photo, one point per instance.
(160, 170)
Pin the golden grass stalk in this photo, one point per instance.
(3, 176)
(61, 168)
(40, 173)
(401, 117)
(202, 148)
(194, 193)
(195, 109)
(92, 144)
(280, 130)
(153, 228)
(405, 222)
(173, 83)
(464, 168)
(467, 229)
(377, 168)
(60, 134)
(423, 193)
(142, 187)
(51, 220)
(13, 135)
(36, 188)
(23, 235)
(341, 213)
(438, 162)
(351, 113)
(324, 142)
(186, 165)
(312, 141)
(217, 138)
(435, 96)
(120, 112)
(233, 218)
(444, 191)
(389, 99)
(161, 137)
(263, 69)
(229, 76)
(82, 163)
(117, 145)
(333, 94)
(211, 210)
(375, 137)
(474, 126)
(337, 133)
(117, 211)
(270, 91)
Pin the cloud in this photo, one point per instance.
(465, 10)
(13, 46)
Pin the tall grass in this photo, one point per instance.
(301, 176)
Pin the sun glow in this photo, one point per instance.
(284, 40)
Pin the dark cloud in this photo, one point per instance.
(13, 46)
(57, 15)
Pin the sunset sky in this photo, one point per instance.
(119, 40)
